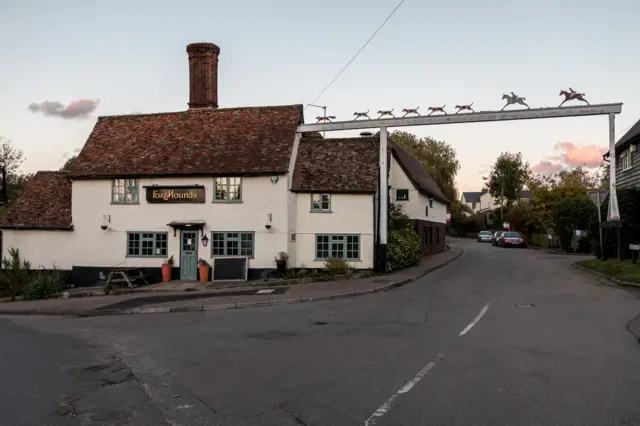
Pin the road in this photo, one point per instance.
(452, 348)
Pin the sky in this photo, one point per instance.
(67, 62)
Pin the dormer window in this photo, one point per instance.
(125, 191)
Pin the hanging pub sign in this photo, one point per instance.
(175, 194)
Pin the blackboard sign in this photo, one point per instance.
(175, 194)
(230, 268)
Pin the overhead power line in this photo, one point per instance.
(356, 55)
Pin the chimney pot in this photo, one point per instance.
(203, 75)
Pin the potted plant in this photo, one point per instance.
(203, 267)
(281, 262)
(167, 268)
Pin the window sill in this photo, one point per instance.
(402, 199)
(118, 203)
(320, 211)
(227, 202)
(146, 257)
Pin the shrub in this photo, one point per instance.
(398, 218)
(44, 286)
(336, 266)
(16, 274)
(403, 249)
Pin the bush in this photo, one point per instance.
(16, 274)
(337, 266)
(44, 286)
(584, 245)
(403, 249)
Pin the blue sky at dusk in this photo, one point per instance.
(131, 56)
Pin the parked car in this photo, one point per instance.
(485, 237)
(496, 238)
(512, 239)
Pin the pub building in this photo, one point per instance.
(229, 186)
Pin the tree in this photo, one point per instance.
(438, 157)
(547, 190)
(12, 158)
(507, 178)
(604, 174)
(71, 161)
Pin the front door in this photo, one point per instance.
(188, 255)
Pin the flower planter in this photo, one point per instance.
(204, 273)
(166, 272)
(282, 267)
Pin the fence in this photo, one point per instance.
(543, 240)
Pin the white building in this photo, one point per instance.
(216, 184)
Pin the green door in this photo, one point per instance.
(188, 255)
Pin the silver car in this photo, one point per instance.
(485, 237)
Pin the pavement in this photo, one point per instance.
(499, 337)
(228, 298)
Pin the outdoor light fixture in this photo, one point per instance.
(274, 179)
(268, 225)
(106, 220)
(205, 240)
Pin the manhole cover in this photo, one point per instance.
(524, 305)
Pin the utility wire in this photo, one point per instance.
(355, 56)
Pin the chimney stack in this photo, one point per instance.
(203, 75)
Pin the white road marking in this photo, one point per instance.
(384, 408)
(266, 291)
(475, 320)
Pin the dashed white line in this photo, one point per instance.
(384, 408)
(475, 320)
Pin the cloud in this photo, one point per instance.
(571, 155)
(80, 108)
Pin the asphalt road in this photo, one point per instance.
(453, 348)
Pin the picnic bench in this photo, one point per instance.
(124, 275)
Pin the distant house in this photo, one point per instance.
(627, 160)
(471, 199)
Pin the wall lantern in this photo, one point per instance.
(106, 220)
(274, 179)
(268, 225)
(205, 240)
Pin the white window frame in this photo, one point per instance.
(625, 160)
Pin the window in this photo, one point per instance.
(232, 244)
(431, 202)
(437, 232)
(626, 160)
(147, 244)
(124, 191)
(228, 189)
(321, 203)
(426, 211)
(426, 236)
(402, 194)
(346, 247)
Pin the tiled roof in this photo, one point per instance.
(45, 203)
(251, 140)
(417, 174)
(470, 197)
(336, 165)
(350, 165)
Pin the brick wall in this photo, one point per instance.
(431, 235)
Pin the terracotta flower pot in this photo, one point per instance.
(166, 272)
(204, 273)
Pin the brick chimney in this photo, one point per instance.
(203, 75)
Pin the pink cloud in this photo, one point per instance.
(79, 108)
(586, 155)
(571, 155)
(547, 167)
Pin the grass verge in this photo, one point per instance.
(621, 270)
